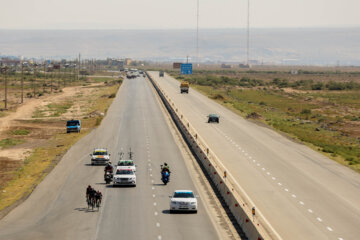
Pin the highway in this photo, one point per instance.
(57, 208)
(303, 194)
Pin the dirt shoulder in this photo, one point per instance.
(33, 137)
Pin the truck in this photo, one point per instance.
(73, 126)
(184, 87)
(161, 74)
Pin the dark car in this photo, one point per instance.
(213, 118)
(73, 126)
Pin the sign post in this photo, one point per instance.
(186, 68)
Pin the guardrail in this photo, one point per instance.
(239, 203)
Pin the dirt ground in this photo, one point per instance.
(33, 132)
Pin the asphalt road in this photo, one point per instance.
(303, 194)
(57, 208)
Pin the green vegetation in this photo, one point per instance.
(215, 80)
(9, 142)
(52, 110)
(324, 115)
(21, 132)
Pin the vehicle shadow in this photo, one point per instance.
(119, 186)
(167, 211)
(158, 184)
(100, 183)
(85, 209)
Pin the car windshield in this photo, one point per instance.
(100, 153)
(125, 163)
(124, 172)
(72, 123)
(183, 195)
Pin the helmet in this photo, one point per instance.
(165, 164)
(89, 186)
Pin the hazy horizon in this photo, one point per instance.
(304, 46)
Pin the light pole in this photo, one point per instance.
(197, 34)
(248, 35)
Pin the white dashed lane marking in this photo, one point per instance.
(158, 224)
(155, 204)
(273, 178)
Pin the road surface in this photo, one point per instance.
(303, 194)
(57, 208)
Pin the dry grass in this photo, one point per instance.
(19, 178)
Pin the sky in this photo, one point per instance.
(176, 14)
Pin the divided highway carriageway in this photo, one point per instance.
(301, 193)
(57, 208)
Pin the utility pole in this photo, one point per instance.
(44, 81)
(6, 83)
(197, 34)
(78, 68)
(22, 82)
(248, 35)
(34, 81)
(51, 79)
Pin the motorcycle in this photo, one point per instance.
(165, 176)
(108, 177)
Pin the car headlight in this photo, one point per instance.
(193, 203)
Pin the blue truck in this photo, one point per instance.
(73, 126)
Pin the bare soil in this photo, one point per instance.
(39, 129)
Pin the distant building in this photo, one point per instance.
(226, 65)
(241, 65)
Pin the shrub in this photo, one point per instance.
(306, 111)
(317, 86)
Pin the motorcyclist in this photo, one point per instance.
(165, 171)
(109, 167)
(165, 167)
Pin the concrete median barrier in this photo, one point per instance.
(240, 205)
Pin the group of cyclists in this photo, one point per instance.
(93, 197)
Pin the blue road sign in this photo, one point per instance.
(186, 68)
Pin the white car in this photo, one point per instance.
(100, 156)
(127, 164)
(183, 200)
(124, 176)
